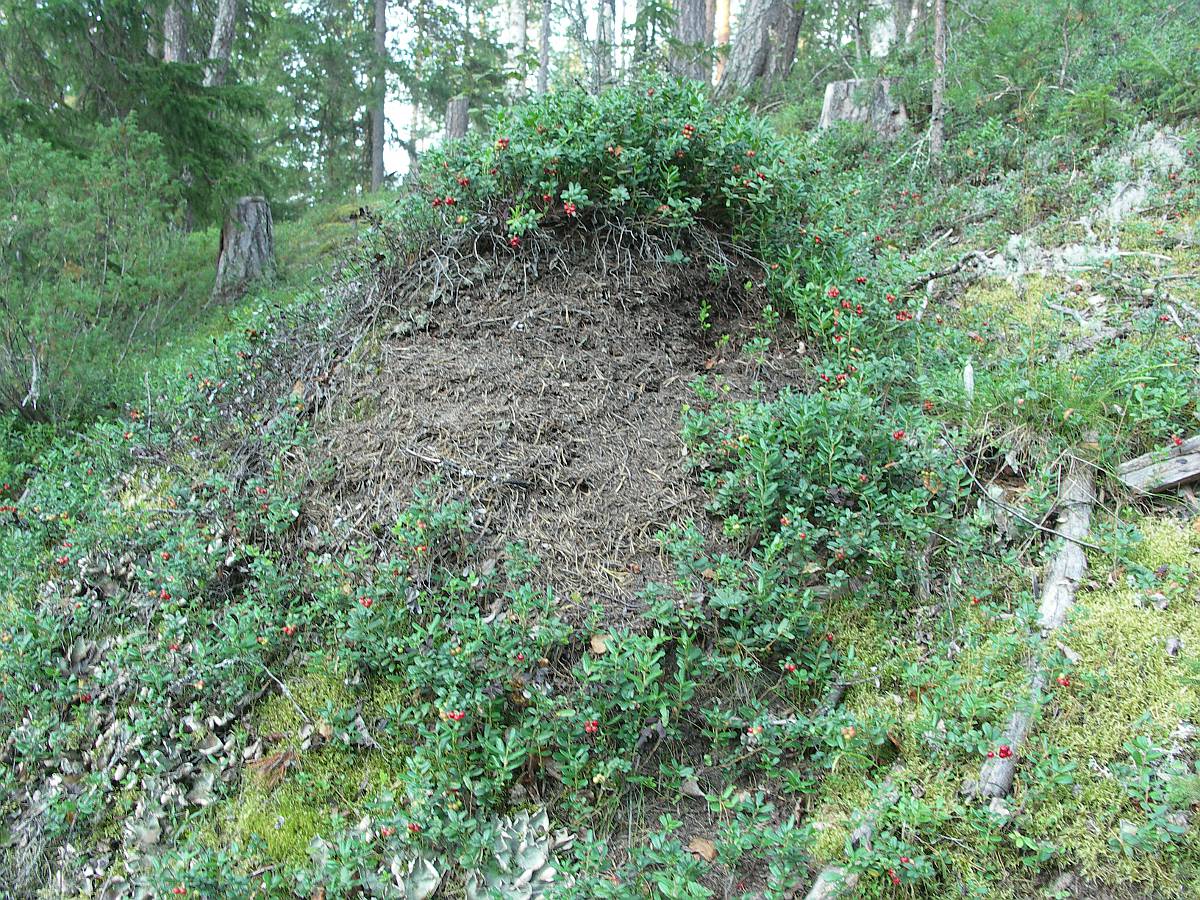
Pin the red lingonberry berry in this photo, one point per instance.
(366, 602)
(898, 434)
(1005, 751)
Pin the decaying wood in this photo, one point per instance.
(1156, 472)
(1063, 577)
(971, 256)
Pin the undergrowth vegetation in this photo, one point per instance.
(195, 701)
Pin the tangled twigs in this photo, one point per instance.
(973, 255)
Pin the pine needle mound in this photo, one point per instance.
(547, 395)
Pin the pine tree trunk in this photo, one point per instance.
(765, 45)
(247, 246)
(721, 34)
(902, 11)
(602, 73)
(938, 113)
(379, 95)
(787, 36)
(543, 79)
(522, 29)
(221, 46)
(710, 26)
(175, 33)
(456, 117)
(687, 59)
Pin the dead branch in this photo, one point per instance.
(946, 273)
(1153, 472)
(1058, 597)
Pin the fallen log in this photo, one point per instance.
(1063, 577)
(833, 880)
(1154, 472)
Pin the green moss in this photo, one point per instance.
(1124, 686)
(998, 300)
(320, 784)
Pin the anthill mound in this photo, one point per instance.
(546, 392)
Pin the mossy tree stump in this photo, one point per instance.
(247, 251)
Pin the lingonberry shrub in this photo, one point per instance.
(658, 152)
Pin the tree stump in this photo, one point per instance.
(247, 246)
(456, 117)
(864, 100)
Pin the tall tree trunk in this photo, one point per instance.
(543, 78)
(175, 32)
(710, 26)
(457, 111)
(721, 34)
(687, 53)
(521, 15)
(902, 11)
(765, 45)
(221, 46)
(379, 95)
(938, 113)
(605, 15)
(788, 39)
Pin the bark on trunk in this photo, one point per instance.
(543, 79)
(605, 19)
(247, 246)
(765, 45)
(522, 27)
(864, 100)
(456, 117)
(175, 33)
(379, 95)
(721, 34)
(938, 113)
(687, 53)
(902, 11)
(710, 27)
(221, 46)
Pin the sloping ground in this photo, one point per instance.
(551, 403)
